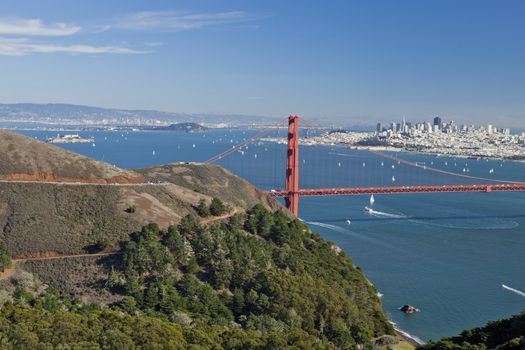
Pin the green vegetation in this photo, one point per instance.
(202, 209)
(508, 334)
(216, 208)
(131, 209)
(5, 257)
(50, 322)
(275, 276)
(260, 281)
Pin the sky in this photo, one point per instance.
(357, 62)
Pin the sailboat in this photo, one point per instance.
(372, 200)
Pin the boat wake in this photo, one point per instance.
(519, 292)
(382, 214)
(328, 226)
(466, 221)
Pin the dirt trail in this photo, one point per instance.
(218, 218)
(8, 272)
(11, 271)
(71, 256)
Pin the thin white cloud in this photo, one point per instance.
(176, 21)
(22, 47)
(154, 44)
(35, 27)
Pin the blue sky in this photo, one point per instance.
(355, 61)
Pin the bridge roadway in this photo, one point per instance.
(401, 190)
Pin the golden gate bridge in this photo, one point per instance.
(292, 192)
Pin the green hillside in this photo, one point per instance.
(239, 282)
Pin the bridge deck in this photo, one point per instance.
(400, 190)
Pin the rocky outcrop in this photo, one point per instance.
(408, 309)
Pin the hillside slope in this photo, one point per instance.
(40, 217)
(24, 158)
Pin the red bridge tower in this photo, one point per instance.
(292, 166)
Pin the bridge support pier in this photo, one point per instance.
(292, 166)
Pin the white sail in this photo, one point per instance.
(372, 200)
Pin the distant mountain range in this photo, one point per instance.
(87, 115)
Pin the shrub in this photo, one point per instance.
(202, 209)
(217, 207)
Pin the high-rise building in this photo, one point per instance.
(438, 121)
(379, 127)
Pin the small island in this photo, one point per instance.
(182, 127)
(69, 139)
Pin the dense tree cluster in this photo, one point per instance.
(260, 281)
(53, 323)
(508, 334)
(216, 208)
(260, 272)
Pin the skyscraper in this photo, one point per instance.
(437, 121)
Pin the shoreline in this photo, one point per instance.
(395, 149)
(437, 154)
(407, 337)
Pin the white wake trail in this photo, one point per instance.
(328, 226)
(384, 215)
(519, 292)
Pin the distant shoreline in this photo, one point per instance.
(396, 149)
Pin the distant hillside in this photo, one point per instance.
(86, 115)
(183, 127)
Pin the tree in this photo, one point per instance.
(5, 257)
(238, 302)
(217, 207)
(202, 209)
(175, 243)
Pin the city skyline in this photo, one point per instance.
(372, 61)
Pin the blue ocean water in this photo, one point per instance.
(446, 254)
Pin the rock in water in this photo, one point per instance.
(408, 309)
